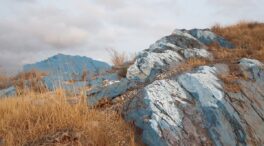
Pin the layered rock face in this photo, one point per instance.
(172, 50)
(194, 108)
(191, 108)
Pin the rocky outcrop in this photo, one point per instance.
(173, 50)
(194, 109)
(149, 64)
(249, 102)
(167, 114)
(207, 37)
(167, 52)
(107, 91)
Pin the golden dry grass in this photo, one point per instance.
(33, 79)
(121, 61)
(117, 58)
(184, 67)
(248, 37)
(34, 82)
(48, 119)
(4, 81)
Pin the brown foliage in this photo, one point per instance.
(47, 119)
(117, 58)
(184, 67)
(4, 81)
(248, 38)
(29, 81)
(120, 62)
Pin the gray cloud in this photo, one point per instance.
(31, 30)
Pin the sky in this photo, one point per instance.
(32, 30)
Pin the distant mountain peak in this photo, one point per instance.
(66, 65)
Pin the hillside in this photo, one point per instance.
(195, 87)
(191, 87)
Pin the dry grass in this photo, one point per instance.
(248, 38)
(117, 58)
(48, 119)
(4, 81)
(184, 67)
(29, 82)
(25, 82)
(120, 61)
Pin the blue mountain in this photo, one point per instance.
(61, 68)
(68, 65)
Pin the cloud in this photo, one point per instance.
(31, 30)
(239, 9)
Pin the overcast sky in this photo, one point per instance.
(32, 30)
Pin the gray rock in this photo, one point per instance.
(99, 80)
(252, 68)
(109, 91)
(10, 91)
(220, 119)
(160, 110)
(197, 53)
(194, 109)
(149, 64)
(207, 37)
(164, 53)
(249, 102)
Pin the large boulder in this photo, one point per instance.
(220, 119)
(168, 51)
(194, 109)
(167, 114)
(107, 91)
(249, 102)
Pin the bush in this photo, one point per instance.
(120, 61)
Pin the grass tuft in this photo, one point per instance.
(48, 119)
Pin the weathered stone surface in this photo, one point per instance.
(194, 109)
(207, 37)
(197, 53)
(10, 91)
(109, 91)
(220, 119)
(164, 53)
(253, 68)
(150, 64)
(160, 55)
(249, 103)
(167, 114)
